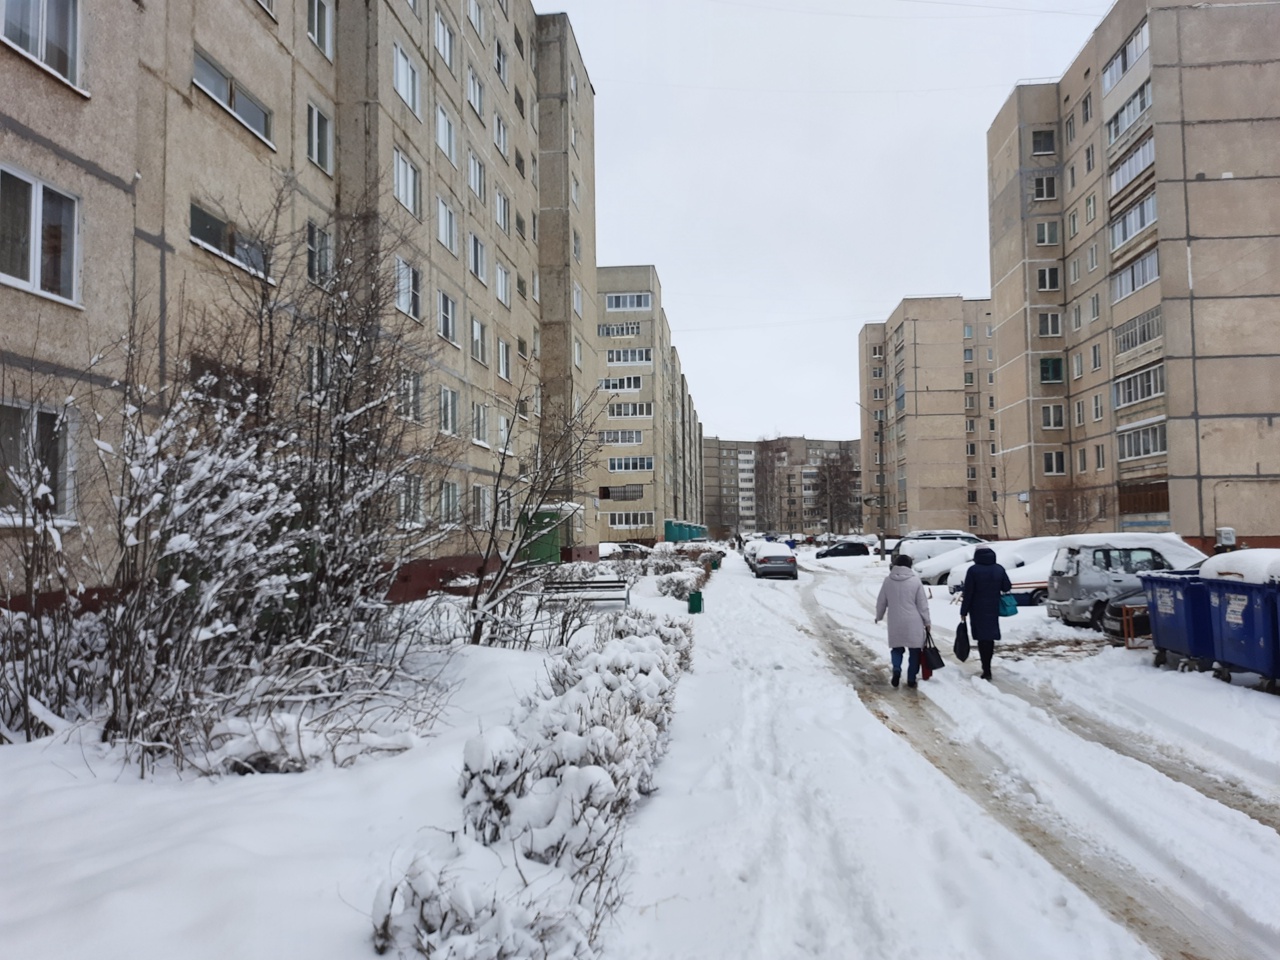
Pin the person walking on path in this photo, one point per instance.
(980, 602)
(902, 600)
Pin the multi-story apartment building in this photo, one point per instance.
(1135, 252)
(928, 417)
(144, 151)
(784, 485)
(650, 437)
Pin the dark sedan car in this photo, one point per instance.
(845, 548)
(1126, 617)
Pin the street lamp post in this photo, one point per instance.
(879, 463)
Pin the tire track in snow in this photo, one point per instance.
(1172, 926)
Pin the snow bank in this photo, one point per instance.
(1247, 566)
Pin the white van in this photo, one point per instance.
(1090, 569)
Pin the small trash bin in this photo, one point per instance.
(1244, 626)
(1181, 621)
(695, 601)
(715, 563)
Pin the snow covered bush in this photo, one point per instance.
(682, 583)
(554, 788)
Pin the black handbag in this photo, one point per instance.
(931, 655)
(961, 648)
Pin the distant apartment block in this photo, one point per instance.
(783, 485)
(650, 458)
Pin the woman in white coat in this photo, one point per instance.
(902, 599)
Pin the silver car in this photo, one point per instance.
(775, 560)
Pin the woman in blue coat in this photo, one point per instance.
(983, 584)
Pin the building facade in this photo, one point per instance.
(1135, 264)
(650, 459)
(928, 413)
(147, 150)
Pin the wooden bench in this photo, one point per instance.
(594, 590)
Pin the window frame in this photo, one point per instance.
(35, 237)
(40, 40)
(235, 93)
(319, 138)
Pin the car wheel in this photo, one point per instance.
(1095, 617)
(1038, 597)
(795, 576)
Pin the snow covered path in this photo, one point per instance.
(808, 809)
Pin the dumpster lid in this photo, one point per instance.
(1246, 566)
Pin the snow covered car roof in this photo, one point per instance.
(774, 549)
(1248, 566)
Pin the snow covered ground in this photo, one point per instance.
(1084, 805)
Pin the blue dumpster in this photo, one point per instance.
(1245, 626)
(1181, 620)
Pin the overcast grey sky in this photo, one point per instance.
(794, 168)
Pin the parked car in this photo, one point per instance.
(1139, 617)
(775, 560)
(1010, 554)
(923, 544)
(624, 551)
(1090, 569)
(845, 548)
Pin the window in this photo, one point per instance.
(29, 438)
(1047, 278)
(1086, 108)
(1075, 316)
(1126, 57)
(504, 360)
(220, 85)
(1143, 442)
(317, 373)
(1073, 269)
(628, 301)
(405, 77)
(447, 314)
(38, 236)
(968, 381)
(475, 175)
(500, 61)
(622, 437)
(500, 134)
(1055, 463)
(633, 355)
(319, 253)
(972, 496)
(47, 31)
(1093, 257)
(477, 258)
(480, 423)
(1050, 325)
(1140, 386)
(408, 289)
(877, 393)
(877, 373)
(626, 410)
(475, 92)
(448, 410)
(446, 225)
(1079, 413)
(1051, 416)
(408, 183)
(520, 163)
(877, 351)
(217, 236)
(1047, 233)
(409, 395)
(320, 24)
(504, 432)
(1077, 366)
(1133, 221)
(628, 329)
(502, 284)
(970, 449)
(1094, 307)
(1141, 329)
(475, 13)
(409, 500)
(1050, 369)
(620, 384)
(479, 505)
(444, 40)
(319, 138)
(1144, 270)
(1088, 159)
(577, 246)
(1133, 163)
(1099, 456)
(1046, 188)
(577, 298)
(1128, 114)
(449, 512)
(1097, 407)
(1070, 128)
(1082, 460)
(969, 426)
(1073, 223)
(1095, 357)
(1042, 141)
(479, 341)
(629, 464)
(630, 520)
(971, 473)
(446, 139)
